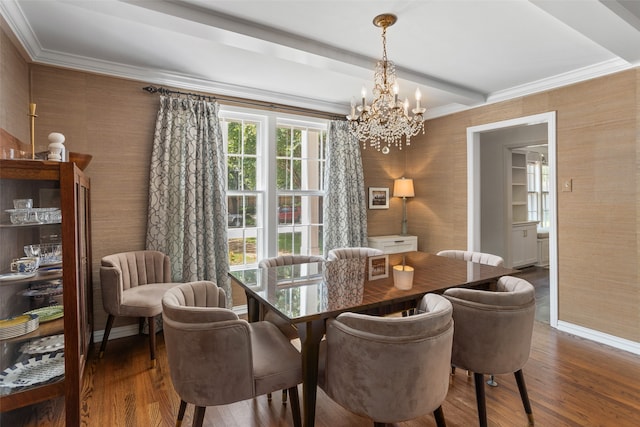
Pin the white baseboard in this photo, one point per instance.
(119, 332)
(601, 337)
(130, 330)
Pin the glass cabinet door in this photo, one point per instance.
(31, 285)
(45, 284)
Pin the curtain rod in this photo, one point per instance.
(266, 105)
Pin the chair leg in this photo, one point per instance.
(141, 325)
(480, 399)
(107, 331)
(439, 416)
(295, 406)
(268, 397)
(198, 416)
(522, 387)
(152, 341)
(181, 411)
(284, 396)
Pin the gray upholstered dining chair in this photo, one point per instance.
(285, 327)
(492, 334)
(132, 285)
(288, 329)
(215, 358)
(356, 252)
(289, 260)
(390, 369)
(479, 257)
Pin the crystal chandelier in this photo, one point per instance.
(386, 121)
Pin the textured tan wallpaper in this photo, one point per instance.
(14, 89)
(598, 145)
(598, 140)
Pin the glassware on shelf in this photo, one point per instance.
(22, 203)
(49, 253)
(34, 216)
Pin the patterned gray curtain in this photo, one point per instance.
(345, 202)
(187, 193)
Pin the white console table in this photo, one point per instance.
(394, 243)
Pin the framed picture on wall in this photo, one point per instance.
(378, 267)
(378, 198)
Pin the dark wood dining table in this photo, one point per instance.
(306, 295)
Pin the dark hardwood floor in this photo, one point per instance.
(571, 382)
(539, 278)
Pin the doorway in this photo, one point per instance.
(481, 237)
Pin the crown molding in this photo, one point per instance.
(24, 34)
(575, 76)
(565, 79)
(161, 77)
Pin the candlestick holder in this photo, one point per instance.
(32, 114)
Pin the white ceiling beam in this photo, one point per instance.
(262, 39)
(611, 24)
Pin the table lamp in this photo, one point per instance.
(403, 188)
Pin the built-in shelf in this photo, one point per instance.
(518, 186)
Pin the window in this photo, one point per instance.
(300, 154)
(275, 184)
(545, 218)
(533, 189)
(538, 192)
(244, 198)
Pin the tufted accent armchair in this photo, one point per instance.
(358, 252)
(493, 334)
(215, 358)
(390, 369)
(479, 257)
(133, 284)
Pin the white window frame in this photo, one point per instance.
(266, 179)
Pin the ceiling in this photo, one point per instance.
(318, 54)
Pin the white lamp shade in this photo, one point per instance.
(403, 188)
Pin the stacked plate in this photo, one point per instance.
(37, 370)
(19, 325)
(47, 314)
(44, 345)
(49, 288)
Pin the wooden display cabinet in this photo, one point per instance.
(49, 184)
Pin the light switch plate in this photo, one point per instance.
(567, 185)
